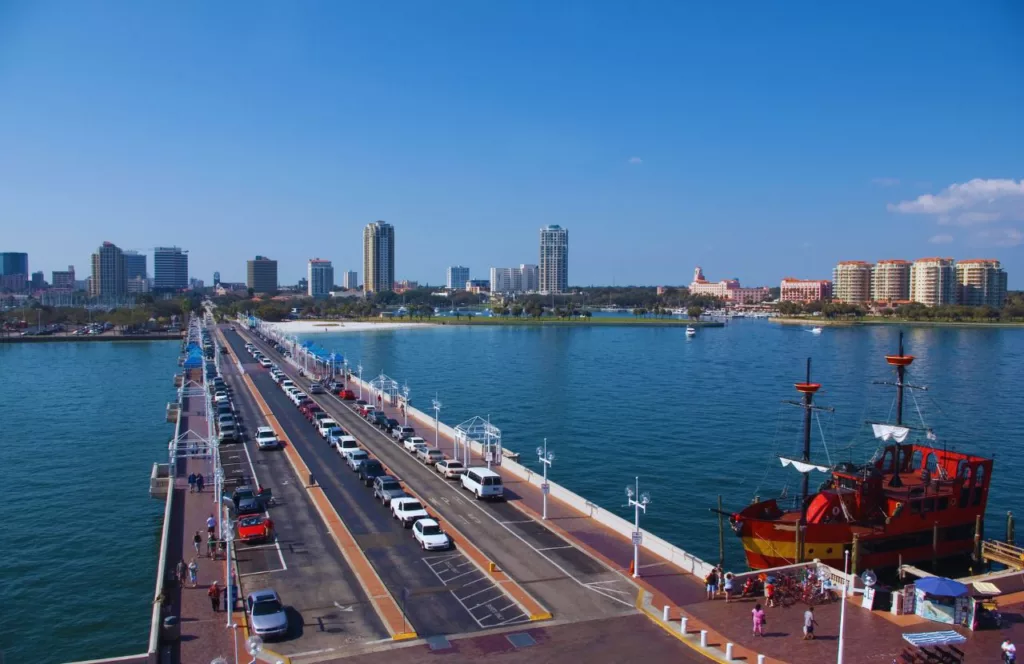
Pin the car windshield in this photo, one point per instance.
(413, 505)
(390, 486)
(360, 454)
(431, 530)
(455, 464)
(266, 607)
(251, 521)
(265, 434)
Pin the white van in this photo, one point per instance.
(483, 483)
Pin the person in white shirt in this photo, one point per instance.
(1009, 652)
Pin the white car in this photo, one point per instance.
(266, 439)
(325, 426)
(346, 445)
(287, 383)
(430, 536)
(407, 510)
(264, 362)
(355, 458)
(413, 444)
(450, 469)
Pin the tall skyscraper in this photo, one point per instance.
(456, 277)
(981, 281)
(170, 269)
(14, 273)
(319, 277)
(261, 275)
(851, 282)
(933, 281)
(554, 259)
(350, 280)
(216, 279)
(378, 257)
(63, 281)
(108, 276)
(890, 281)
(134, 265)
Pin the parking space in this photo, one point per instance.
(489, 606)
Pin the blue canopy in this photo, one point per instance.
(941, 587)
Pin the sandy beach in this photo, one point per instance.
(335, 327)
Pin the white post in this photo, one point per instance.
(405, 409)
(703, 638)
(842, 609)
(546, 459)
(760, 659)
(437, 417)
(728, 652)
(638, 502)
(682, 625)
(360, 370)
(664, 613)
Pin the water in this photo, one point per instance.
(702, 417)
(80, 427)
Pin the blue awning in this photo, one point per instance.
(941, 587)
(923, 639)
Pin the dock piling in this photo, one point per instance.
(1010, 534)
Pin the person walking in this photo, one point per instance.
(193, 572)
(214, 594)
(809, 623)
(211, 546)
(192, 483)
(759, 620)
(1009, 652)
(200, 482)
(180, 573)
(197, 541)
(728, 587)
(711, 583)
(211, 525)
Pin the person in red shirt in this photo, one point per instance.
(214, 594)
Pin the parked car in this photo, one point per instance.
(286, 383)
(265, 363)
(392, 423)
(247, 506)
(346, 395)
(266, 439)
(401, 433)
(369, 470)
(333, 435)
(366, 411)
(325, 425)
(267, 617)
(483, 483)
(318, 417)
(346, 444)
(413, 444)
(316, 388)
(309, 409)
(430, 536)
(255, 528)
(386, 489)
(450, 469)
(408, 510)
(356, 458)
(429, 455)
(228, 434)
(379, 420)
(359, 404)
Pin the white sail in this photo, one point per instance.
(890, 432)
(802, 466)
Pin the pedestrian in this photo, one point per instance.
(769, 591)
(809, 623)
(711, 583)
(193, 572)
(180, 573)
(192, 483)
(196, 542)
(200, 482)
(1009, 652)
(211, 546)
(214, 594)
(211, 525)
(728, 587)
(759, 620)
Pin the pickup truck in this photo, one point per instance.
(401, 433)
(408, 511)
(386, 489)
(325, 425)
(429, 455)
(413, 444)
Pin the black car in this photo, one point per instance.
(391, 424)
(370, 470)
(379, 419)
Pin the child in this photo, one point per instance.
(759, 620)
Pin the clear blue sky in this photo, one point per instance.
(757, 139)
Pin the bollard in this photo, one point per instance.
(703, 638)
(682, 624)
(728, 652)
(664, 613)
(312, 480)
(760, 659)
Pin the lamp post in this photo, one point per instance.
(405, 407)
(344, 363)
(228, 534)
(254, 644)
(638, 501)
(437, 414)
(546, 459)
(359, 369)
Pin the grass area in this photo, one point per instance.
(888, 320)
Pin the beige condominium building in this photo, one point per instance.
(933, 281)
(890, 281)
(851, 282)
(378, 257)
(981, 281)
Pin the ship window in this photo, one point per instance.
(979, 475)
(931, 463)
(916, 463)
(963, 470)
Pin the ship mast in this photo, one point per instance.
(807, 388)
(901, 362)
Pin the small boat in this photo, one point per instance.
(691, 331)
(815, 330)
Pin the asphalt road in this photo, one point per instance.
(434, 604)
(566, 579)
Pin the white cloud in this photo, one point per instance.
(885, 182)
(635, 160)
(975, 202)
(940, 239)
(999, 237)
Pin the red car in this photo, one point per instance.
(346, 395)
(309, 410)
(255, 528)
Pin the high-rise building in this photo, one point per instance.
(511, 280)
(804, 290)
(261, 275)
(981, 281)
(137, 285)
(456, 277)
(14, 273)
(108, 276)
(134, 265)
(890, 281)
(319, 277)
(933, 281)
(216, 279)
(851, 282)
(170, 269)
(38, 281)
(350, 280)
(378, 257)
(63, 281)
(554, 259)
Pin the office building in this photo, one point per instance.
(137, 285)
(134, 265)
(14, 273)
(477, 286)
(727, 289)
(261, 275)
(378, 257)
(933, 281)
(890, 281)
(63, 280)
(38, 281)
(319, 277)
(981, 282)
(804, 290)
(350, 280)
(170, 269)
(108, 279)
(554, 259)
(216, 279)
(851, 282)
(196, 284)
(456, 277)
(512, 280)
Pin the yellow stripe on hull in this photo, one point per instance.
(787, 548)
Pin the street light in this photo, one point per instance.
(228, 534)
(405, 407)
(254, 645)
(546, 458)
(437, 414)
(638, 501)
(359, 369)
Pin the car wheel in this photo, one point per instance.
(478, 496)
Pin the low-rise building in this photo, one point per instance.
(804, 290)
(981, 282)
(727, 289)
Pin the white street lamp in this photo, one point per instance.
(359, 369)
(228, 534)
(405, 409)
(546, 458)
(437, 414)
(254, 645)
(344, 377)
(638, 501)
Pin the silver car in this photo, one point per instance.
(266, 615)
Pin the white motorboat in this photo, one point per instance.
(691, 331)
(815, 330)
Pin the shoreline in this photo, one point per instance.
(44, 338)
(364, 325)
(824, 322)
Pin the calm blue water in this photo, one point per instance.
(80, 427)
(701, 417)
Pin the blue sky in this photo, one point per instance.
(759, 140)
